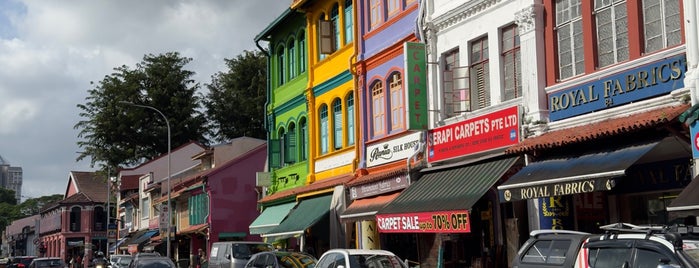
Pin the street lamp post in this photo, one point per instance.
(169, 211)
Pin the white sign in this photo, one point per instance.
(393, 150)
(164, 216)
(334, 161)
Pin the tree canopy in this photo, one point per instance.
(119, 135)
(235, 103)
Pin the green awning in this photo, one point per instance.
(270, 218)
(231, 235)
(451, 189)
(306, 213)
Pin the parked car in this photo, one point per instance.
(235, 254)
(119, 260)
(359, 258)
(153, 262)
(20, 261)
(550, 248)
(621, 245)
(281, 259)
(141, 255)
(52, 262)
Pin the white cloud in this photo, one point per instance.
(51, 50)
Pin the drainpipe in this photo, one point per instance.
(268, 86)
(352, 64)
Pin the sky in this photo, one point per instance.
(50, 51)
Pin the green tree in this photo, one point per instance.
(236, 99)
(118, 135)
(7, 196)
(33, 206)
(8, 214)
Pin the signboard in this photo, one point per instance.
(416, 85)
(393, 150)
(379, 187)
(164, 217)
(457, 221)
(556, 213)
(556, 189)
(478, 134)
(631, 85)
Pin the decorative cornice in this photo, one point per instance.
(463, 12)
(526, 19)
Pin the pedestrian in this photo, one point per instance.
(201, 258)
(78, 261)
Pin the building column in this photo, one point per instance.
(531, 35)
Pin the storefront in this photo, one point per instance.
(614, 150)
(304, 218)
(369, 194)
(452, 214)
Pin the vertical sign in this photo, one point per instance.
(164, 218)
(416, 85)
(556, 213)
(694, 130)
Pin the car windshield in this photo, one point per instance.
(49, 263)
(692, 249)
(244, 251)
(125, 260)
(296, 260)
(155, 263)
(375, 261)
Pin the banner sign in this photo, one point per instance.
(456, 221)
(416, 85)
(556, 189)
(392, 150)
(379, 187)
(631, 85)
(556, 213)
(490, 131)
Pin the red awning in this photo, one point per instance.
(366, 208)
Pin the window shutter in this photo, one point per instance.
(326, 37)
(290, 152)
(275, 153)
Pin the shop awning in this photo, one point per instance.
(115, 246)
(143, 238)
(132, 237)
(197, 228)
(366, 208)
(271, 217)
(688, 198)
(305, 215)
(582, 173)
(451, 189)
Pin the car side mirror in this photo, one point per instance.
(340, 266)
(228, 256)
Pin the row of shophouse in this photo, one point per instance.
(441, 130)
(446, 130)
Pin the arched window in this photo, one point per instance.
(292, 59)
(349, 22)
(100, 219)
(75, 219)
(376, 18)
(395, 83)
(302, 52)
(290, 144)
(323, 113)
(377, 108)
(324, 37)
(337, 124)
(303, 145)
(280, 65)
(335, 19)
(350, 118)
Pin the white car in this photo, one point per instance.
(359, 258)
